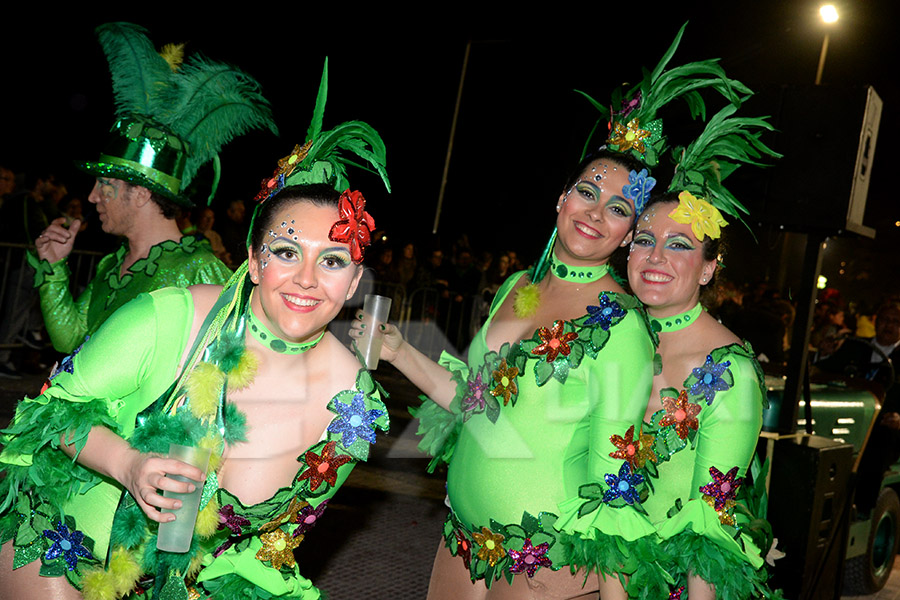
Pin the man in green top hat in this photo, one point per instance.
(170, 120)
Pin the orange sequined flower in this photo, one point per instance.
(725, 516)
(287, 164)
(323, 467)
(645, 450)
(491, 546)
(278, 548)
(291, 515)
(630, 136)
(505, 377)
(554, 341)
(680, 413)
(628, 447)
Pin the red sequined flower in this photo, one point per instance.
(680, 413)
(323, 467)
(463, 547)
(554, 341)
(355, 225)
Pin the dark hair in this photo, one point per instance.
(168, 208)
(626, 161)
(713, 249)
(319, 194)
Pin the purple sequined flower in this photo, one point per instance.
(723, 487)
(228, 519)
(355, 421)
(474, 399)
(638, 189)
(529, 558)
(65, 544)
(709, 379)
(308, 517)
(604, 313)
(624, 485)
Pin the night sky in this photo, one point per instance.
(521, 126)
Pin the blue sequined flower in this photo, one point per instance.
(624, 485)
(638, 189)
(355, 421)
(65, 544)
(604, 313)
(67, 365)
(709, 379)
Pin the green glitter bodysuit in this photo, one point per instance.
(533, 431)
(168, 264)
(121, 371)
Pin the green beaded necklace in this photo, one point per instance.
(676, 322)
(275, 343)
(566, 272)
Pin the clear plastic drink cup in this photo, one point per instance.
(376, 311)
(175, 536)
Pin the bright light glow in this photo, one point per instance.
(896, 223)
(823, 281)
(828, 13)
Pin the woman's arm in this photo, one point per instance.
(434, 380)
(141, 474)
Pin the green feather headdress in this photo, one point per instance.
(727, 142)
(631, 119)
(172, 115)
(320, 159)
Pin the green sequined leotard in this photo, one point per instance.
(534, 423)
(703, 441)
(47, 499)
(176, 264)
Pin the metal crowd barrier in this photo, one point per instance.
(18, 297)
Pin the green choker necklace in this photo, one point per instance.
(676, 322)
(566, 272)
(272, 341)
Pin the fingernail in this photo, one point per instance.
(177, 505)
(382, 327)
(362, 325)
(191, 488)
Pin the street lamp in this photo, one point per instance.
(829, 15)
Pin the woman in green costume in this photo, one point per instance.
(705, 413)
(284, 407)
(546, 385)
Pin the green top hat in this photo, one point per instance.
(172, 115)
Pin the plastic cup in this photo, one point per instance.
(175, 536)
(376, 310)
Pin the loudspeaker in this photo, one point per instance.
(827, 135)
(809, 501)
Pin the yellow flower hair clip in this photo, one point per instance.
(704, 218)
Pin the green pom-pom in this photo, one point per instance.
(129, 526)
(243, 372)
(203, 388)
(160, 429)
(527, 301)
(235, 424)
(229, 351)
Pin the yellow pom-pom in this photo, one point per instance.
(195, 566)
(124, 569)
(527, 300)
(203, 387)
(215, 444)
(97, 584)
(208, 519)
(242, 375)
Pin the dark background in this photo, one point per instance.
(521, 126)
